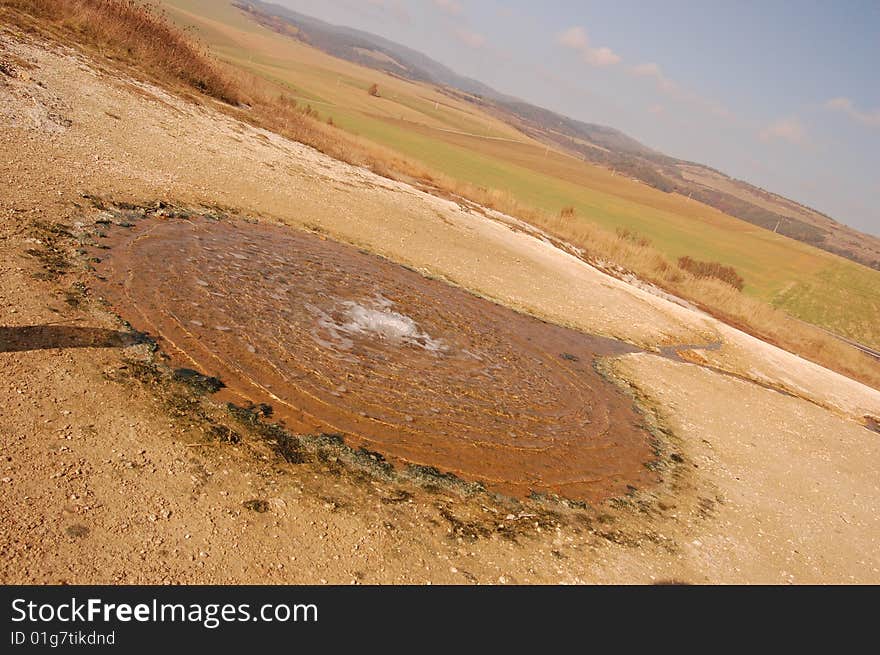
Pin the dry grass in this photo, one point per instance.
(630, 251)
(632, 236)
(140, 36)
(698, 269)
(135, 33)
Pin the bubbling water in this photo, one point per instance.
(371, 317)
(340, 341)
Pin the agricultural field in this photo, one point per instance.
(457, 139)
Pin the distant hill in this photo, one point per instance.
(597, 144)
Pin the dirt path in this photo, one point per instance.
(111, 475)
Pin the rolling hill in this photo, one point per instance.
(597, 144)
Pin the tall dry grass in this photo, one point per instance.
(702, 270)
(139, 35)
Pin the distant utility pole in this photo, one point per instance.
(777, 226)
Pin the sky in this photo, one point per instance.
(785, 95)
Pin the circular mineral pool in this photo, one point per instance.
(340, 341)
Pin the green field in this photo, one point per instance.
(457, 139)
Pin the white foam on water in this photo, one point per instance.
(334, 340)
(372, 318)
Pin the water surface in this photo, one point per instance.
(340, 341)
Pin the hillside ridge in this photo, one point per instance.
(598, 144)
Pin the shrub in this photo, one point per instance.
(625, 234)
(726, 274)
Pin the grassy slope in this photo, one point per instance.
(412, 119)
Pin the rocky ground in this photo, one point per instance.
(110, 472)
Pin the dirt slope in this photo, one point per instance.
(107, 475)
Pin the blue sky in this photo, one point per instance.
(785, 95)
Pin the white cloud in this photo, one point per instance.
(785, 129)
(575, 38)
(656, 109)
(470, 39)
(653, 71)
(646, 70)
(847, 106)
(601, 56)
(451, 7)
